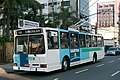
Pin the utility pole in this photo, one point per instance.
(118, 26)
(96, 26)
(77, 9)
(118, 33)
(53, 12)
(62, 6)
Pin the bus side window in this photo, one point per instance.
(94, 41)
(99, 41)
(88, 41)
(52, 38)
(64, 40)
(82, 40)
(73, 40)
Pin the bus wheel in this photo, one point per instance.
(94, 58)
(65, 64)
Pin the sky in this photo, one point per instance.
(93, 9)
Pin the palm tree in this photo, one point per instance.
(35, 6)
(33, 14)
(67, 16)
(57, 18)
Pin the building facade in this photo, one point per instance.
(80, 6)
(106, 14)
(107, 19)
(84, 7)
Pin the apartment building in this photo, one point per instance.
(107, 19)
(106, 14)
(77, 5)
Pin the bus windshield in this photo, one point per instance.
(32, 44)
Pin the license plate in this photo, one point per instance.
(30, 58)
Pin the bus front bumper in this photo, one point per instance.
(30, 69)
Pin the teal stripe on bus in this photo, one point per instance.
(91, 49)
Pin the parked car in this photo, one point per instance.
(113, 51)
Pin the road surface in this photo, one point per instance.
(105, 69)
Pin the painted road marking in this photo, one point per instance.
(81, 71)
(112, 61)
(115, 73)
(56, 79)
(100, 65)
(118, 59)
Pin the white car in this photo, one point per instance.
(113, 51)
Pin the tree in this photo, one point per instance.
(67, 15)
(14, 9)
(2, 1)
(9, 6)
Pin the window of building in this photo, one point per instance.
(66, 3)
(54, 3)
(100, 6)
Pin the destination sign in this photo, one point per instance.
(29, 31)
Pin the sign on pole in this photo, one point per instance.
(27, 24)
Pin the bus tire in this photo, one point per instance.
(94, 58)
(65, 64)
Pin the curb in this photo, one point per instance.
(7, 67)
(14, 77)
(5, 76)
(2, 71)
(9, 70)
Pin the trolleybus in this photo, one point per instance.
(47, 49)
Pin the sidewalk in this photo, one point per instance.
(6, 73)
(12, 77)
(7, 67)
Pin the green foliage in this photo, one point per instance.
(6, 39)
(1, 1)
(15, 9)
(68, 15)
(1, 23)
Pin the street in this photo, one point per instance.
(105, 69)
(47, 35)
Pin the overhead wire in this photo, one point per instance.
(89, 6)
(85, 6)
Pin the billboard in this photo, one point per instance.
(27, 24)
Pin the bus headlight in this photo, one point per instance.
(15, 64)
(43, 65)
(26, 65)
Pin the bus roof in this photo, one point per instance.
(58, 29)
